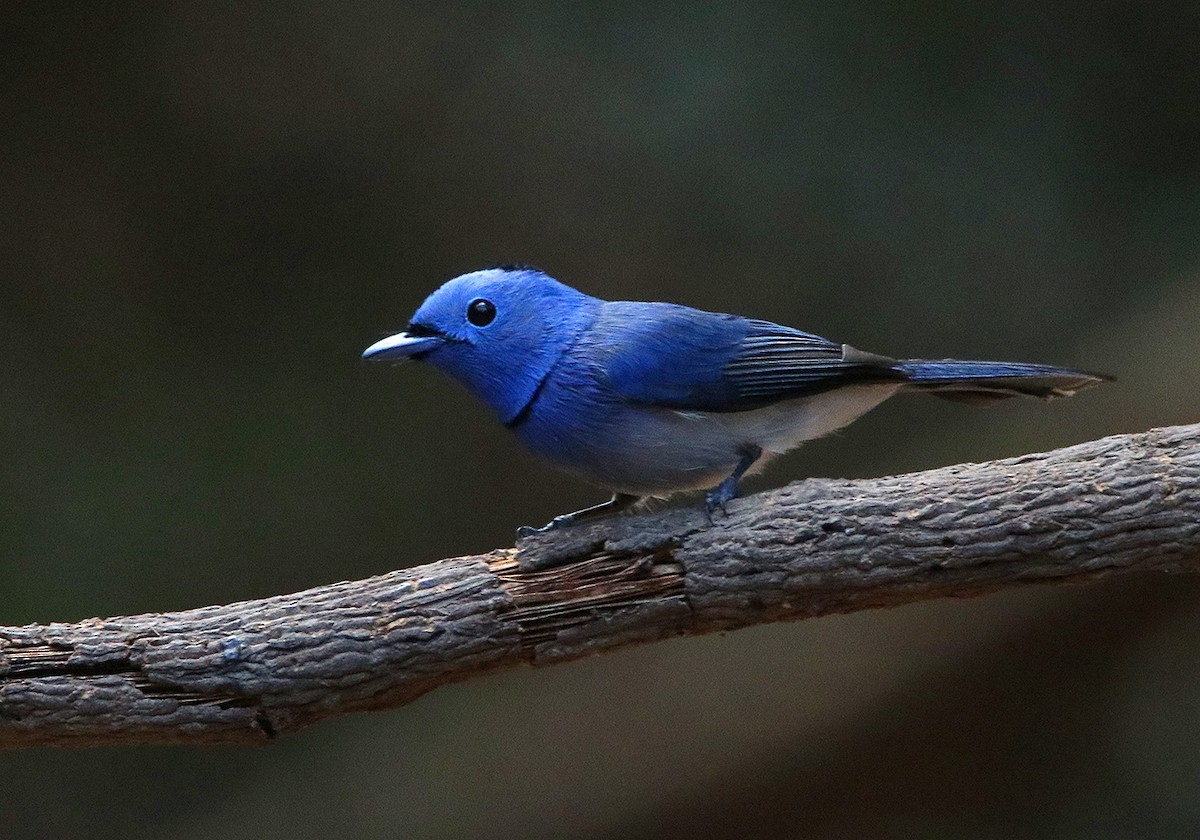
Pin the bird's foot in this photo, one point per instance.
(716, 498)
(553, 525)
(619, 502)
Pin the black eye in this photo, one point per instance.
(481, 312)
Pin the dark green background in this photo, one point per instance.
(209, 209)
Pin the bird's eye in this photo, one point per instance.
(481, 312)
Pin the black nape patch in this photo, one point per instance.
(513, 267)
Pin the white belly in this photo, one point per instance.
(785, 425)
(646, 451)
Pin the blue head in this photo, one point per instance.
(497, 331)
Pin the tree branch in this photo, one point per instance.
(252, 670)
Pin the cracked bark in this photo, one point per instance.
(249, 671)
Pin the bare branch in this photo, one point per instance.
(252, 670)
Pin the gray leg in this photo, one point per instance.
(619, 502)
(727, 489)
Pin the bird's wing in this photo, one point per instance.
(682, 358)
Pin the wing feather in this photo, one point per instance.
(676, 357)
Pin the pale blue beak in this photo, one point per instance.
(401, 347)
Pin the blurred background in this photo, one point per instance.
(209, 209)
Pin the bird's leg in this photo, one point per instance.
(727, 489)
(619, 502)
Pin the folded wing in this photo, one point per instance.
(677, 357)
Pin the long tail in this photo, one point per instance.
(983, 382)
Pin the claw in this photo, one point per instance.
(717, 497)
(553, 525)
(618, 502)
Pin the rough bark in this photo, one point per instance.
(253, 670)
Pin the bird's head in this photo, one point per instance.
(498, 331)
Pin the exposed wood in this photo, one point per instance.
(253, 670)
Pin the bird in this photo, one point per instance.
(646, 399)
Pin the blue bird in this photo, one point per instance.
(647, 399)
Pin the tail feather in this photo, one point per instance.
(983, 382)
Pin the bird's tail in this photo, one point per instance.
(984, 382)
